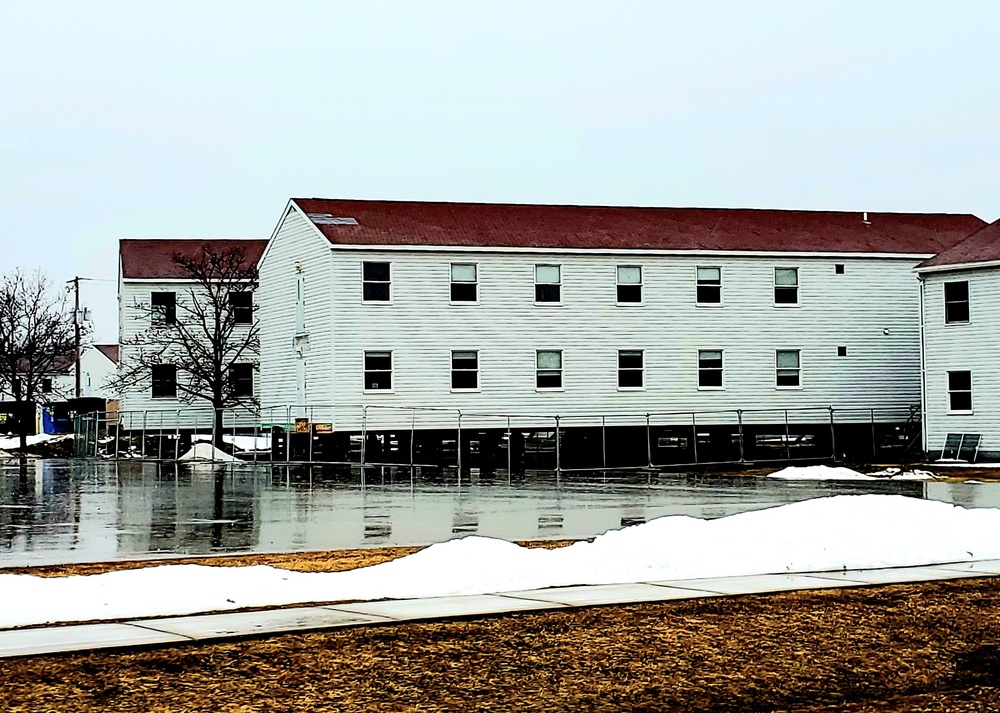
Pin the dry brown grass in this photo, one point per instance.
(928, 647)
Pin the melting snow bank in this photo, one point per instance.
(825, 472)
(848, 531)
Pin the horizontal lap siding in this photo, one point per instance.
(421, 328)
(960, 347)
(294, 242)
(168, 412)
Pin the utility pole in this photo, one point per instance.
(76, 331)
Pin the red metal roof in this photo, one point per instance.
(108, 350)
(981, 246)
(154, 258)
(395, 223)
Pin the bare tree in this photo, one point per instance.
(36, 335)
(207, 339)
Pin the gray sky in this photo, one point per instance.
(200, 119)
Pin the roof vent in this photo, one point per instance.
(328, 219)
(864, 218)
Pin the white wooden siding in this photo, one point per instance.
(421, 328)
(134, 402)
(963, 347)
(295, 242)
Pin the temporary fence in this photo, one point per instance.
(432, 437)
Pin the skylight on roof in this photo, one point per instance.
(328, 219)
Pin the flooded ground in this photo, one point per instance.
(57, 511)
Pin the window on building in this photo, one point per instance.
(959, 391)
(956, 302)
(786, 285)
(465, 370)
(548, 369)
(629, 284)
(630, 369)
(46, 385)
(548, 283)
(710, 369)
(375, 283)
(241, 304)
(241, 379)
(164, 381)
(163, 308)
(709, 286)
(841, 351)
(838, 269)
(464, 282)
(788, 368)
(378, 371)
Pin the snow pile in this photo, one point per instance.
(822, 534)
(15, 442)
(826, 472)
(243, 443)
(206, 451)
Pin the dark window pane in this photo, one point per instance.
(46, 385)
(710, 360)
(841, 351)
(787, 377)
(630, 378)
(241, 303)
(630, 360)
(375, 271)
(960, 381)
(378, 380)
(547, 293)
(465, 379)
(379, 361)
(549, 380)
(241, 379)
(838, 269)
(164, 307)
(464, 360)
(956, 291)
(786, 295)
(956, 312)
(709, 294)
(164, 381)
(463, 292)
(630, 293)
(710, 377)
(961, 401)
(376, 292)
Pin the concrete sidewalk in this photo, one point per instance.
(140, 633)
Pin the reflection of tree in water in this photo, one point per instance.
(203, 509)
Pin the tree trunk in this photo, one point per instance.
(218, 430)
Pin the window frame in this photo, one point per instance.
(562, 371)
(775, 286)
(641, 285)
(721, 370)
(797, 387)
(968, 302)
(169, 315)
(641, 369)
(970, 391)
(365, 370)
(452, 283)
(538, 284)
(153, 381)
(233, 381)
(697, 284)
(464, 390)
(388, 300)
(237, 310)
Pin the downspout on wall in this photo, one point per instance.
(923, 373)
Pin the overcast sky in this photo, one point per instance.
(200, 119)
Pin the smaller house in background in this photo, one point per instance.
(960, 303)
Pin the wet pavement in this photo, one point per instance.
(56, 511)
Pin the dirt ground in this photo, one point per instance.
(929, 647)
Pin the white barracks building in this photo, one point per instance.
(711, 329)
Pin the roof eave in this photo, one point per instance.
(952, 267)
